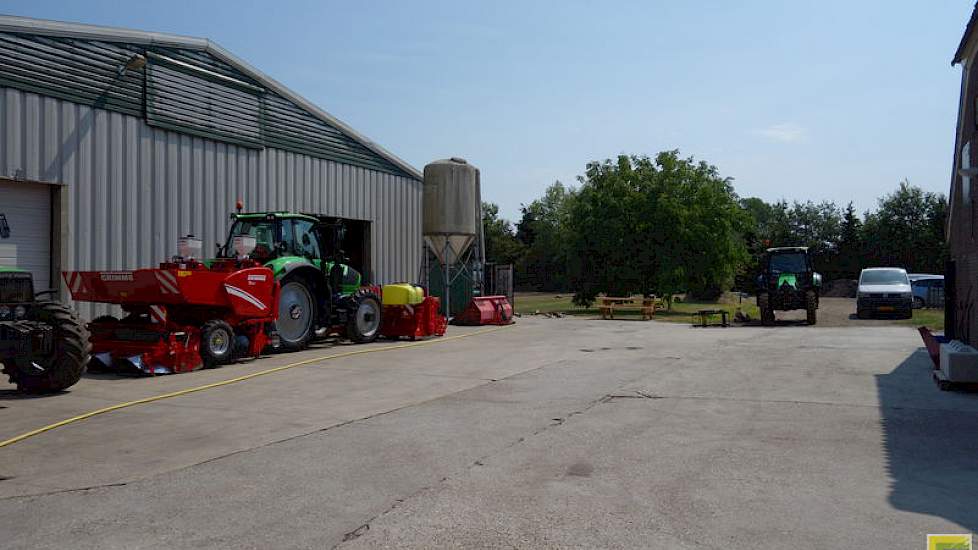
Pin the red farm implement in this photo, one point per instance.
(413, 321)
(180, 316)
(486, 310)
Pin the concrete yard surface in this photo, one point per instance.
(555, 433)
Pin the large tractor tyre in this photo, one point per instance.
(296, 314)
(811, 307)
(65, 364)
(767, 313)
(363, 322)
(216, 343)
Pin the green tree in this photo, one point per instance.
(501, 244)
(907, 230)
(653, 226)
(815, 225)
(850, 246)
(543, 232)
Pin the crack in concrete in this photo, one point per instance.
(365, 527)
(64, 491)
(481, 461)
(278, 441)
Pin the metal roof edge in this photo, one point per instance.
(12, 23)
(18, 24)
(214, 49)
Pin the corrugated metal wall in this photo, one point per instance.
(134, 189)
(84, 71)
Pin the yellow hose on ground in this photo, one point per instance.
(162, 396)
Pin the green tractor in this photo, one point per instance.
(320, 293)
(788, 281)
(44, 346)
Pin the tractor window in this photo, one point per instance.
(789, 263)
(306, 241)
(288, 236)
(265, 232)
(883, 277)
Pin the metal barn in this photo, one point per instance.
(113, 143)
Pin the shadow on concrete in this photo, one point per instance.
(879, 317)
(14, 395)
(111, 375)
(777, 323)
(931, 443)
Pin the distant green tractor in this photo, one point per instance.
(319, 292)
(44, 346)
(788, 281)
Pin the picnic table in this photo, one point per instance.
(705, 314)
(644, 304)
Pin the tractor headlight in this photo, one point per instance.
(20, 312)
(4, 312)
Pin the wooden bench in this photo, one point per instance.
(645, 305)
(705, 314)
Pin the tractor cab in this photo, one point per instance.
(279, 235)
(320, 291)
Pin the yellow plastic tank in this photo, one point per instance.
(402, 294)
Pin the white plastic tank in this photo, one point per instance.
(451, 208)
(189, 247)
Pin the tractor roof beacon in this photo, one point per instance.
(320, 290)
(44, 346)
(787, 281)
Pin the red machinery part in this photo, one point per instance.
(169, 306)
(486, 310)
(413, 321)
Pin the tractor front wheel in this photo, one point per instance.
(65, 364)
(363, 323)
(296, 315)
(767, 312)
(216, 343)
(811, 307)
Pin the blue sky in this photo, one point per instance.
(830, 100)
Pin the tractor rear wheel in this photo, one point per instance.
(216, 343)
(296, 314)
(363, 323)
(811, 307)
(764, 304)
(65, 364)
